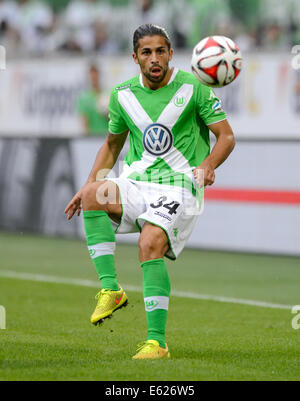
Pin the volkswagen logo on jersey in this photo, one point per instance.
(157, 139)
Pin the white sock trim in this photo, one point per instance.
(105, 248)
(156, 302)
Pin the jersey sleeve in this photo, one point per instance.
(209, 106)
(116, 124)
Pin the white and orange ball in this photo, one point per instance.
(216, 61)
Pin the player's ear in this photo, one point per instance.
(135, 58)
(171, 52)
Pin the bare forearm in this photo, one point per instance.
(222, 149)
(105, 160)
(204, 173)
(107, 156)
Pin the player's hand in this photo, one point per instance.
(74, 205)
(204, 174)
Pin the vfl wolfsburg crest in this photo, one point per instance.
(149, 305)
(156, 302)
(92, 252)
(179, 101)
(157, 139)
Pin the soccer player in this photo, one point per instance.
(95, 121)
(167, 114)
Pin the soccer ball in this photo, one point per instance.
(216, 61)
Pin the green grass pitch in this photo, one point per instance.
(49, 337)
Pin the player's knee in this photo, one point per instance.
(86, 194)
(152, 247)
(89, 201)
(146, 245)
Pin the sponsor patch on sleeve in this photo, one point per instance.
(217, 107)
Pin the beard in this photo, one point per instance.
(158, 79)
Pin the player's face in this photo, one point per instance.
(94, 77)
(153, 56)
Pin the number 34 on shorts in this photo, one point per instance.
(163, 202)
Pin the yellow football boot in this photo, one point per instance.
(150, 349)
(108, 302)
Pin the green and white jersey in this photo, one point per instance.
(168, 136)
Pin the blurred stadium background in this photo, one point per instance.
(46, 152)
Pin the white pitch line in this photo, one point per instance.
(95, 284)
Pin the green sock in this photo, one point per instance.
(156, 291)
(101, 241)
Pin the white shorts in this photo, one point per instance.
(172, 208)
